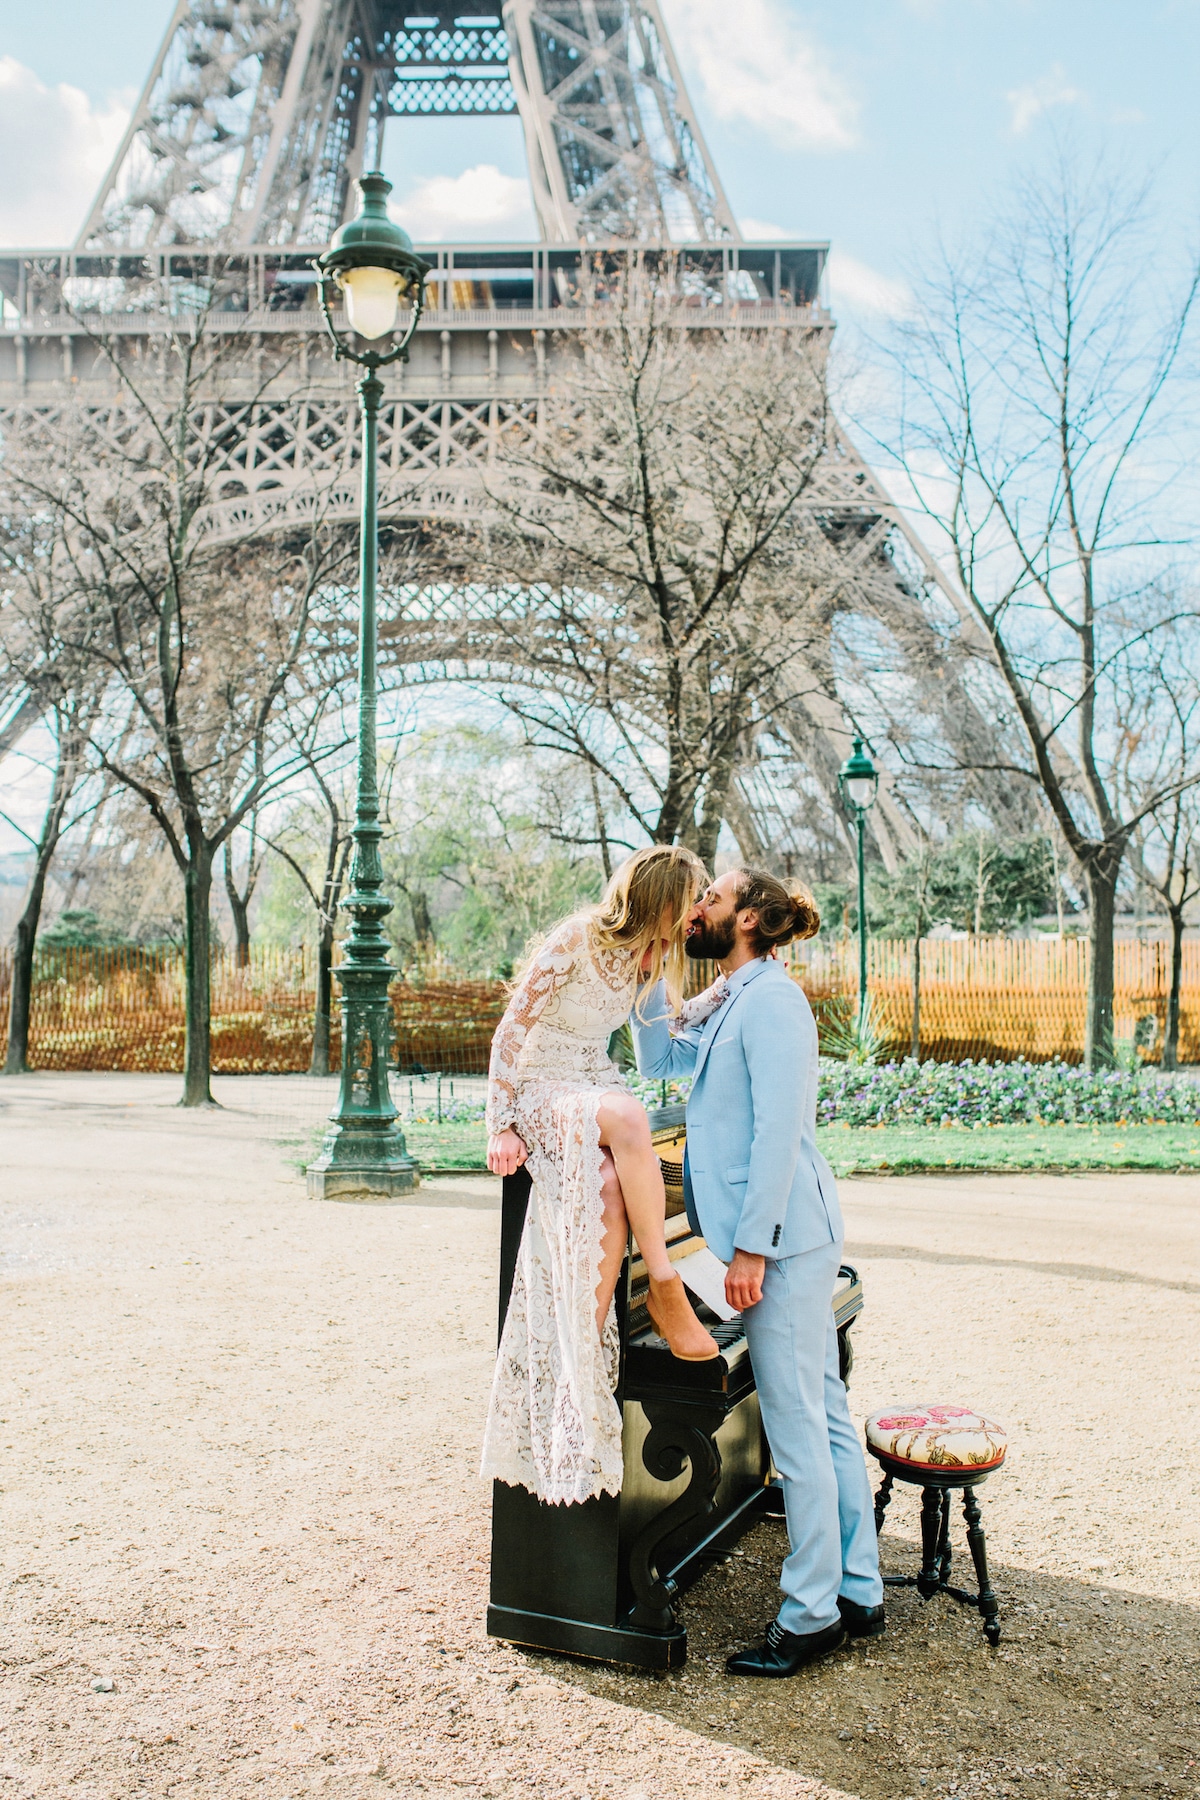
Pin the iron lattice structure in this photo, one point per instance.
(258, 114)
(239, 158)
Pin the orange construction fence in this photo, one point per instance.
(124, 1009)
(994, 999)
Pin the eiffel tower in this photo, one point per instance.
(244, 144)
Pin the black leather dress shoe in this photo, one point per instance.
(784, 1652)
(862, 1621)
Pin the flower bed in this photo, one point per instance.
(971, 1093)
(977, 1093)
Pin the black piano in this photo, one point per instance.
(601, 1579)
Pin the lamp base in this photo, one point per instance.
(367, 1170)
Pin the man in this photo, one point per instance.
(764, 1198)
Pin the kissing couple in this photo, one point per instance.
(756, 1187)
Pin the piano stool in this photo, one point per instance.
(602, 1579)
(940, 1449)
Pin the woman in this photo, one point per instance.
(556, 1100)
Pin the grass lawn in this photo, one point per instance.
(447, 1146)
(899, 1149)
(902, 1150)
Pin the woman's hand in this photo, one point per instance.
(506, 1152)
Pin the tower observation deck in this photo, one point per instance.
(240, 155)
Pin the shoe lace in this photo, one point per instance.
(775, 1635)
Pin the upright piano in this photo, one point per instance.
(601, 1579)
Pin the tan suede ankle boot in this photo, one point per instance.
(672, 1316)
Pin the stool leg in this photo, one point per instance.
(931, 1530)
(881, 1500)
(989, 1606)
(944, 1552)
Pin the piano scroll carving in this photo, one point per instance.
(671, 1443)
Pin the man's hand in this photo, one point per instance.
(744, 1279)
(506, 1152)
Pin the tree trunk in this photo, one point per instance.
(1102, 872)
(319, 1061)
(336, 858)
(197, 1061)
(1170, 1049)
(601, 827)
(422, 919)
(922, 890)
(239, 907)
(915, 1038)
(20, 1001)
(15, 1062)
(677, 811)
(716, 799)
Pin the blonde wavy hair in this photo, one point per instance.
(661, 878)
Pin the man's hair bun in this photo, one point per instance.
(786, 910)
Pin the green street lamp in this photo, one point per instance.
(382, 283)
(858, 778)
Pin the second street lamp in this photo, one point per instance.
(858, 779)
(374, 264)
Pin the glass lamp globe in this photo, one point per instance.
(859, 778)
(372, 299)
(377, 272)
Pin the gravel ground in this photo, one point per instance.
(238, 1450)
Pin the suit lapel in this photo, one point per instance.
(718, 1019)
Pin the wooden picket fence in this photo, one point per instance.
(993, 999)
(996, 999)
(124, 1009)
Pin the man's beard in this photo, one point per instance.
(712, 940)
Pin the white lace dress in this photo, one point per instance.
(553, 1424)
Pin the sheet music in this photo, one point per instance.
(704, 1274)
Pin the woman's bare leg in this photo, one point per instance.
(614, 1237)
(625, 1133)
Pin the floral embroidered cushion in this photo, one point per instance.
(937, 1437)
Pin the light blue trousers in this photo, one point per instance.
(826, 1496)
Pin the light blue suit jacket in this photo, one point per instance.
(759, 1182)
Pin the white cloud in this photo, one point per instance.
(859, 288)
(762, 231)
(853, 286)
(479, 203)
(756, 67)
(1028, 103)
(55, 148)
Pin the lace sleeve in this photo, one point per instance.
(701, 1006)
(544, 975)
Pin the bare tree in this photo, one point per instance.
(69, 716)
(239, 897)
(323, 884)
(204, 633)
(1037, 401)
(48, 662)
(1174, 875)
(651, 577)
(1161, 739)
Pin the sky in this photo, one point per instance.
(879, 125)
(875, 125)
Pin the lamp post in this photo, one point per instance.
(858, 778)
(364, 1154)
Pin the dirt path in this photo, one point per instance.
(238, 1450)
(1068, 1308)
(239, 1446)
